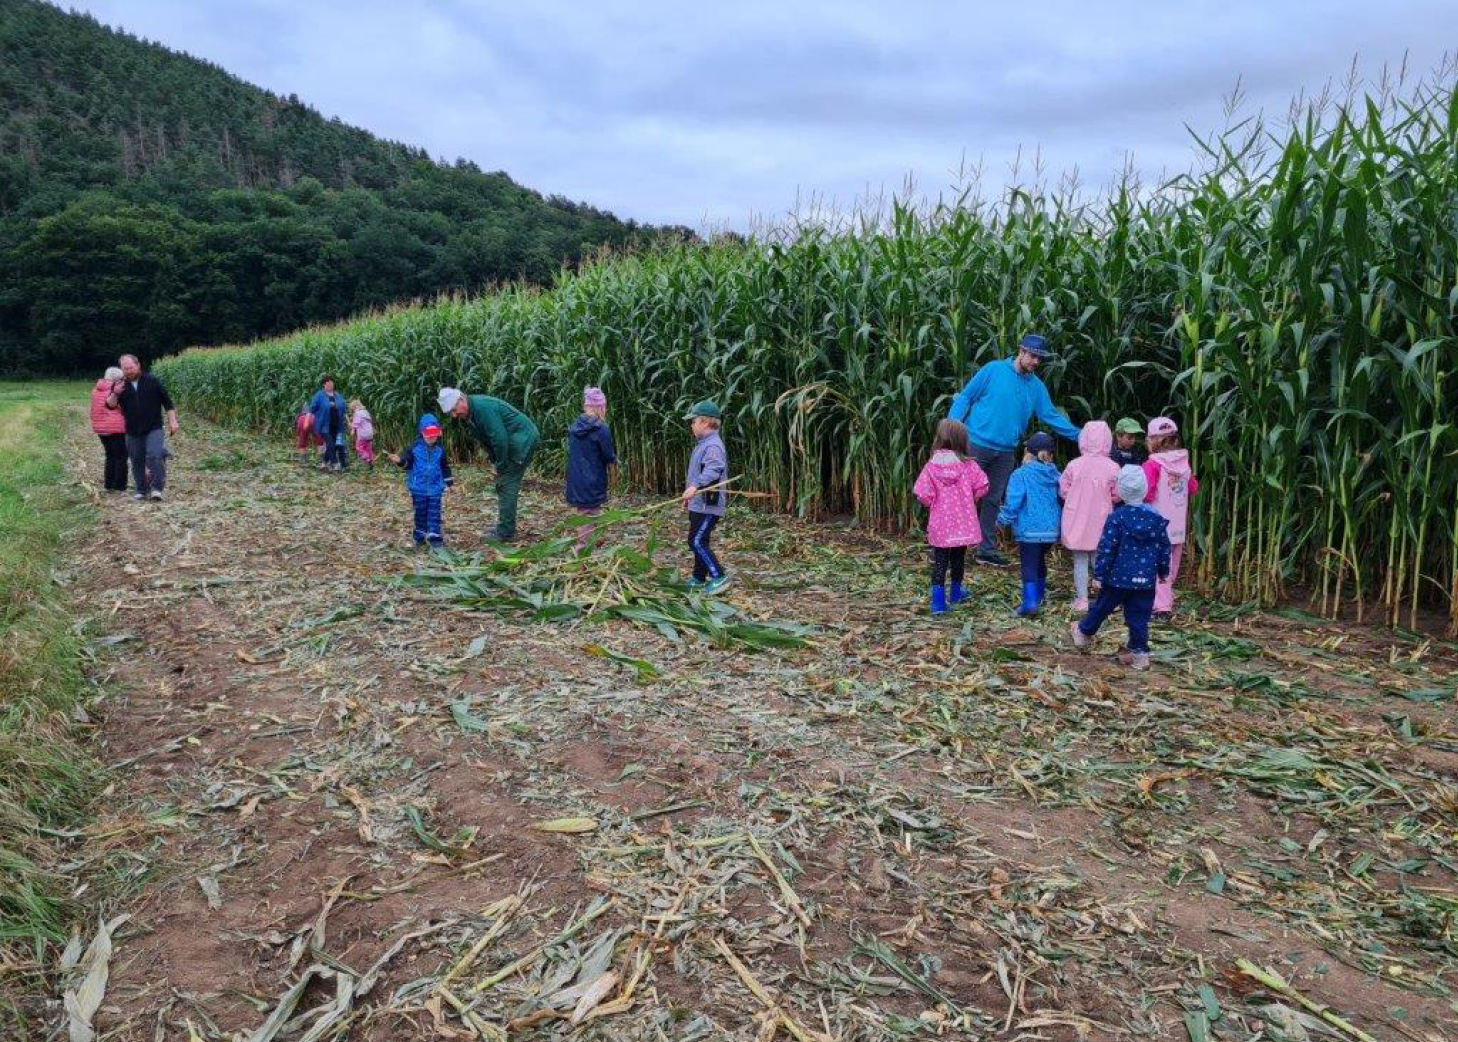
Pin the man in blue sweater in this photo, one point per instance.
(996, 405)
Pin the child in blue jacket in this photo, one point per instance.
(590, 454)
(1031, 507)
(427, 476)
(1133, 554)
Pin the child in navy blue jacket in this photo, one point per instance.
(427, 476)
(1031, 506)
(1133, 553)
(590, 453)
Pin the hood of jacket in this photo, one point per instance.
(1175, 461)
(1043, 474)
(946, 467)
(1095, 439)
(584, 426)
(1141, 522)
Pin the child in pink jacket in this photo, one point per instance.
(1087, 489)
(1171, 485)
(949, 486)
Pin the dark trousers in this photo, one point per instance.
(1138, 606)
(115, 446)
(1033, 561)
(148, 455)
(998, 465)
(701, 528)
(945, 559)
(427, 519)
(335, 453)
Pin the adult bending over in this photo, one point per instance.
(111, 428)
(996, 405)
(509, 438)
(142, 400)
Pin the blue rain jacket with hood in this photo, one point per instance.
(427, 471)
(590, 451)
(1031, 505)
(1134, 550)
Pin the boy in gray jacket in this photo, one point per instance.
(708, 466)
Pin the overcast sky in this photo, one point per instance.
(712, 114)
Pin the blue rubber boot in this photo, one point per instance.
(1031, 600)
(959, 594)
(938, 600)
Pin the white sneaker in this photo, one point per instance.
(155, 495)
(139, 496)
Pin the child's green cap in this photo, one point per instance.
(706, 409)
(1128, 426)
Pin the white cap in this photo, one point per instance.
(1133, 484)
(448, 398)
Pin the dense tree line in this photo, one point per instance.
(149, 200)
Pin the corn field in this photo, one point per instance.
(1291, 303)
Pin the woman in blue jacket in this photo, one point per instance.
(327, 409)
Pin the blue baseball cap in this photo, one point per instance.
(1040, 442)
(1034, 344)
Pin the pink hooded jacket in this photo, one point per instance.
(1087, 488)
(1171, 484)
(104, 420)
(950, 487)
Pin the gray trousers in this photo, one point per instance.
(998, 465)
(148, 453)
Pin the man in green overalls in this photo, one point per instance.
(509, 437)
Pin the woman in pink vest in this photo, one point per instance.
(1171, 484)
(111, 427)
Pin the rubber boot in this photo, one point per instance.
(1031, 601)
(959, 594)
(938, 600)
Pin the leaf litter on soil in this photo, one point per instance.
(908, 828)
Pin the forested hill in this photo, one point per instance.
(149, 200)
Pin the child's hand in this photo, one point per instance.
(393, 457)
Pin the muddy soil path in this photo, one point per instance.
(326, 820)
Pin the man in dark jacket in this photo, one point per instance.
(142, 400)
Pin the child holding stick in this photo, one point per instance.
(708, 466)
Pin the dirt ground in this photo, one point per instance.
(326, 783)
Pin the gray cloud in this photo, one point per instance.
(667, 112)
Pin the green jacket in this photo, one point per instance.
(508, 434)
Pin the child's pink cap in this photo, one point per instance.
(592, 397)
(1162, 425)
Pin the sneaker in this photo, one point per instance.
(1134, 659)
(695, 584)
(1080, 639)
(991, 558)
(1080, 604)
(155, 495)
(716, 586)
(139, 496)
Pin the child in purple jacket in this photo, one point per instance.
(708, 466)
